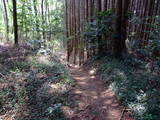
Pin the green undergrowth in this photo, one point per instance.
(34, 90)
(137, 87)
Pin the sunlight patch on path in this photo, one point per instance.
(92, 100)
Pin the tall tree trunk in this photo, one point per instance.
(124, 23)
(105, 5)
(6, 20)
(36, 17)
(49, 22)
(15, 25)
(119, 45)
(43, 21)
(100, 40)
(149, 21)
(67, 29)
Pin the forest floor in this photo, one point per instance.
(92, 101)
(32, 87)
(36, 87)
(40, 87)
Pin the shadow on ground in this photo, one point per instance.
(31, 87)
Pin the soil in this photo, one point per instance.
(92, 100)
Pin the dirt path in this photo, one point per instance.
(92, 100)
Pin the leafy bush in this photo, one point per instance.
(100, 24)
(137, 88)
(152, 49)
(154, 42)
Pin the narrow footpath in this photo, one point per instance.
(92, 100)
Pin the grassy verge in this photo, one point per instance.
(135, 85)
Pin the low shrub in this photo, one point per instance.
(136, 87)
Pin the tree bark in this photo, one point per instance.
(119, 46)
(15, 24)
(6, 20)
(43, 22)
(36, 15)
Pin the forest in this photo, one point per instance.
(79, 59)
